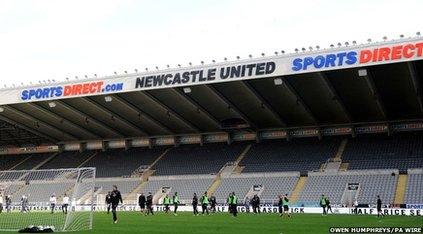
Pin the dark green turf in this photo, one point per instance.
(131, 222)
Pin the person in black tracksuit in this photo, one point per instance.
(379, 206)
(194, 204)
(328, 207)
(213, 204)
(175, 201)
(141, 202)
(149, 204)
(255, 202)
(108, 202)
(280, 205)
(116, 198)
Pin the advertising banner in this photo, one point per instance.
(272, 66)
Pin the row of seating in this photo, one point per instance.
(299, 154)
(270, 185)
(413, 193)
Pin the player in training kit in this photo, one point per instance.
(116, 197)
(280, 205)
(1, 203)
(108, 201)
(323, 204)
(255, 202)
(166, 203)
(149, 204)
(141, 202)
(228, 201)
(8, 203)
(24, 204)
(53, 201)
(213, 204)
(65, 204)
(175, 200)
(355, 206)
(329, 208)
(247, 203)
(285, 203)
(233, 202)
(379, 206)
(194, 204)
(204, 203)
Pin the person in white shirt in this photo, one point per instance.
(52, 202)
(8, 203)
(65, 204)
(1, 203)
(355, 206)
(24, 201)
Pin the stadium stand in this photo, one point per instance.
(333, 185)
(272, 165)
(121, 162)
(67, 159)
(403, 151)
(414, 194)
(9, 161)
(295, 155)
(273, 184)
(33, 161)
(206, 159)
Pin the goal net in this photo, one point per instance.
(59, 198)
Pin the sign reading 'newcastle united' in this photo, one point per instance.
(211, 74)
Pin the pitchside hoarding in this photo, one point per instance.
(241, 209)
(320, 60)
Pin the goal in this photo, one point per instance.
(58, 198)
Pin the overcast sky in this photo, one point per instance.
(52, 39)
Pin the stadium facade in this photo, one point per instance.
(349, 117)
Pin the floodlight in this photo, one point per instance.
(108, 98)
(278, 81)
(362, 72)
(52, 104)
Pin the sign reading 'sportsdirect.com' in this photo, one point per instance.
(86, 88)
(268, 67)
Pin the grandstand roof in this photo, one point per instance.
(318, 88)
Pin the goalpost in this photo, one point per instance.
(27, 197)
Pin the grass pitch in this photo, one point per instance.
(134, 222)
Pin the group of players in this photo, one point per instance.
(114, 197)
(208, 204)
(8, 204)
(25, 203)
(65, 203)
(325, 204)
